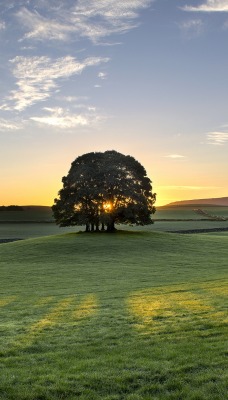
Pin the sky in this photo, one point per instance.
(146, 78)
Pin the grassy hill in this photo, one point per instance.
(217, 201)
(132, 315)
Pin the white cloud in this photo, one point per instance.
(217, 138)
(2, 25)
(8, 125)
(98, 19)
(60, 118)
(42, 28)
(69, 99)
(102, 75)
(209, 6)
(5, 107)
(88, 18)
(37, 77)
(192, 27)
(175, 156)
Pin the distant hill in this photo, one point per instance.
(11, 208)
(36, 208)
(26, 214)
(24, 208)
(220, 201)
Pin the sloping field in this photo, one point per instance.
(190, 212)
(33, 230)
(216, 201)
(131, 315)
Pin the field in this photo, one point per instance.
(34, 222)
(134, 315)
(190, 212)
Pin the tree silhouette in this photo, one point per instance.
(102, 189)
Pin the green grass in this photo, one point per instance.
(32, 230)
(35, 230)
(131, 315)
(188, 212)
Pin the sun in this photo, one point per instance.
(107, 206)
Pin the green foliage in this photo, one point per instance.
(122, 326)
(105, 188)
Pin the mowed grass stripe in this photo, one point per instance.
(7, 300)
(49, 320)
(87, 308)
(65, 311)
(172, 308)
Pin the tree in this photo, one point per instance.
(102, 189)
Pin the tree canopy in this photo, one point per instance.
(102, 189)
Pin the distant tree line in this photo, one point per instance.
(11, 208)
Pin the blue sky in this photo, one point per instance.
(146, 78)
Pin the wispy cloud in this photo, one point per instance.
(71, 99)
(209, 6)
(102, 75)
(175, 156)
(98, 19)
(37, 77)
(60, 118)
(174, 187)
(42, 28)
(192, 27)
(92, 19)
(9, 125)
(2, 25)
(217, 138)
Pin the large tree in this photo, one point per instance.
(102, 189)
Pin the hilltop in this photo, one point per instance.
(220, 201)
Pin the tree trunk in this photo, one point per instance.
(111, 226)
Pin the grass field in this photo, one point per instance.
(189, 212)
(44, 214)
(130, 315)
(35, 230)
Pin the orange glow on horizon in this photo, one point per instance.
(47, 196)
